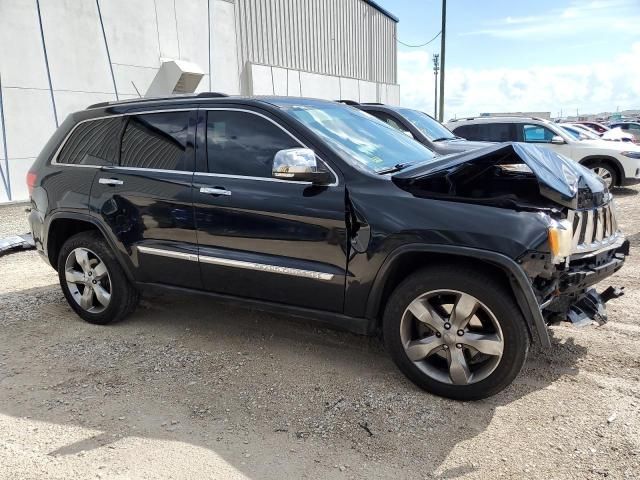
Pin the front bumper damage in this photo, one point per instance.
(566, 292)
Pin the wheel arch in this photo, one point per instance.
(63, 225)
(614, 162)
(409, 258)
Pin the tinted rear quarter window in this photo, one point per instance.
(488, 132)
(157, 140)
(93, 142)
(241, 143)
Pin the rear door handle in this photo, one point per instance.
(110, 181)
(215, 191)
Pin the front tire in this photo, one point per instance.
(92, 280)
(455, 332)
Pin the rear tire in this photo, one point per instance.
(439, 315)
(93, 281)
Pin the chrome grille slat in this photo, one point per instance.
(588, 233)
(593, 228)
(599, 226)
(577, 229)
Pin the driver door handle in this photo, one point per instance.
(215, 191)
(110, 181)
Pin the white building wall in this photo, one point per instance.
(103, 50)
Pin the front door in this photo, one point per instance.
(146, 199)
(261, 237)
(535, 133)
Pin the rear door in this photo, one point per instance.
(261, 237)
(146, 199)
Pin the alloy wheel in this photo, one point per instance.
(452, 337)
(605, 175)
(88, 280)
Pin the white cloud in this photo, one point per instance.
(592, 88)
(580, 17)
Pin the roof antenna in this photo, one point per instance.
(137, 91)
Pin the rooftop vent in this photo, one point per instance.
(175, 77)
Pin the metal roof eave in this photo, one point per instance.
(382, 10)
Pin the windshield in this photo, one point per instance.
(359, 138)
(430, 128)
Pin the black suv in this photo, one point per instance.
(419, 126)
(315, 209)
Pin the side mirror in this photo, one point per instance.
(299, 165)
(558, 140)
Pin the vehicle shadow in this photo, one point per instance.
(270, 395)
(624, 192)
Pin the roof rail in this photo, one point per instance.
(211, 95)
(373, 103)
(155, 99)
(348, 102)
(99, 104)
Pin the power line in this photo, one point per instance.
(422, 44)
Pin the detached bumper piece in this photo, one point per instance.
(15, 243)
(591, 306)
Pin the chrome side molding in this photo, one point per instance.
(226, 262)
(168, 253)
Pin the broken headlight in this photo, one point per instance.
(560, 239)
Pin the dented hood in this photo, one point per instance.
(559, 178)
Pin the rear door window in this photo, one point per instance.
(93, 142)
(158, 141)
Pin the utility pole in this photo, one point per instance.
(442, 44)
(436, 68)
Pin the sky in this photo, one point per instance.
(511, 55)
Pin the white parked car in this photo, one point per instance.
(617, 163)
(617, 134)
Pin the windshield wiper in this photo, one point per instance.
(441, 139)
(395, 168)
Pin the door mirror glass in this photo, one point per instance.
(299, 164)
(557, 139)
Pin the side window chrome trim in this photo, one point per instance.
(54, 159)
(142, 169)
(262, 179)
(335, 183)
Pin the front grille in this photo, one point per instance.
(593, 228)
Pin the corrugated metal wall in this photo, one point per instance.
(346, 38)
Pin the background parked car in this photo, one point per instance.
(613, 134)
(632, 128)
(579, 133)
(598, 127)
(419, 126)
(617, 163)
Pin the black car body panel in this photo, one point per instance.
(397, 117)
(315, 251)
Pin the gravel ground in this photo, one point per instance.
(186, 388)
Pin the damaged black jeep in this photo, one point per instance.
(318, 210)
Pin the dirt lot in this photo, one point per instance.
(186, 388)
